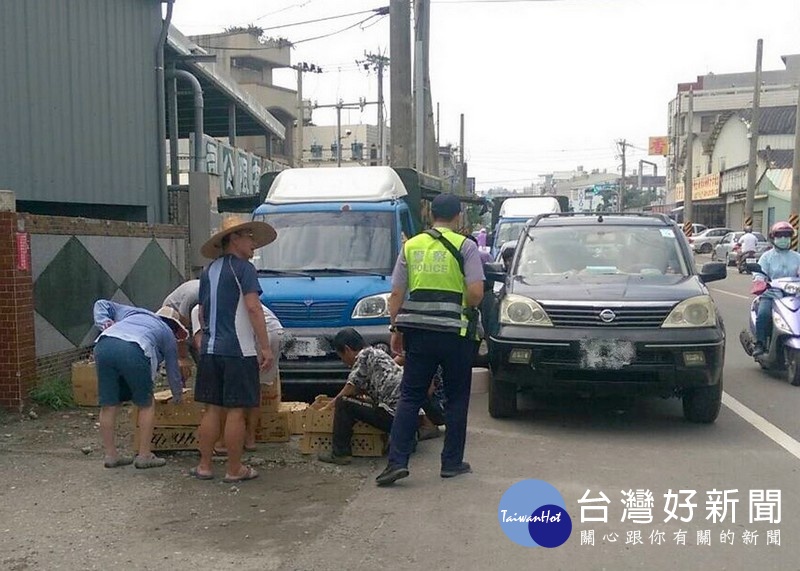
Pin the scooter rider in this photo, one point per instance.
(748, 243)
(780, 262)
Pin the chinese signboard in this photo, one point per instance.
(658, 146)
(240, 170)
(703, 188)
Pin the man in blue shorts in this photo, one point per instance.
(235, 344)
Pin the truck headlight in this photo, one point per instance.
(698, 311)
(372, 307)
(520, 310)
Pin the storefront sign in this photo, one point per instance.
(703, 188)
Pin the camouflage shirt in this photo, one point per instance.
(377, 375)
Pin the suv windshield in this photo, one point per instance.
(349, 240)
(601, 250)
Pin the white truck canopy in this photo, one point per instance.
(332, 184)
(528, 206)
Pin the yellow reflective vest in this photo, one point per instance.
(436, 285)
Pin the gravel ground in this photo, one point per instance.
(61, 509)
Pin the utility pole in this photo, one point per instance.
(301, 68)
(753, 163)
(400, 82)
(463, 172)
(339, 133)
(794, 214)
(339, 105)
(378, 62)
(623, 144)
(687, 173)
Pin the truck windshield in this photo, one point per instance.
(350, 240)
(509, 231)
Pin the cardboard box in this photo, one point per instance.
(363, 445)
(317, 420)
(273, 427)
(271, 395)
(171, 438)
(297, 415)
(187, 413)
(84, 383)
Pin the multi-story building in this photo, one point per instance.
(722, 110)
(250, 59)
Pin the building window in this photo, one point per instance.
(721, 164)
(707, 123)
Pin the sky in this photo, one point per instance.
(544, 85)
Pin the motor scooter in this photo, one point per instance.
(783, 346)
(744, 258)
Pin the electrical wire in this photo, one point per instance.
(367, 19)
(383, 10)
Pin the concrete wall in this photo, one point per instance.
(76, 261)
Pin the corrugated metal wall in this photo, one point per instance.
(78, 101)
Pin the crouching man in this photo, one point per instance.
(374, 374)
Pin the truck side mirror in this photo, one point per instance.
(490, 239)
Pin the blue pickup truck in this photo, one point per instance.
(339, 233)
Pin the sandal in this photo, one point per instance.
(220, 452)
(151, 461)
(199, 475)
(249, 474)
(252, 448)
(116, 462)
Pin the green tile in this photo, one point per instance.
(66, 290)
(151, 279)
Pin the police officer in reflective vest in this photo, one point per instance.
(437, 285)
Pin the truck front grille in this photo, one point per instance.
(315, 311)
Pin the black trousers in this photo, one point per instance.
(348, 411)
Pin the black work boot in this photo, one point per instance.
(391, 474)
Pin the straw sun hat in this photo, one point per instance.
(263, 234)
(172, 318)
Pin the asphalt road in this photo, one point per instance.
(575, 445)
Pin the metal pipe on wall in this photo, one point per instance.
(199, 148)
(161, 117)
(172, 114)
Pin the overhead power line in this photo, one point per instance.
(382, 11)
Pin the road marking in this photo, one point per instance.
(747, 297)
(761, 424)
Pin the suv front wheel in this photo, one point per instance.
(502, 399)
(702, 404)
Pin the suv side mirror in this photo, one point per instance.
(490, 239)
(713, 271)
(494, 272)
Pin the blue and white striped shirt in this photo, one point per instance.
(227, 328)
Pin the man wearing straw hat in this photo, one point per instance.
(235, 345)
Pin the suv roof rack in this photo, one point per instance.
(655, 215)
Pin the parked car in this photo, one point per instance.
(697, 228)
(723, 252)
(705, 241)
(605, 303)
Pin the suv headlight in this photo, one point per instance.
(520, 310)
(372, 306)
(696, 311)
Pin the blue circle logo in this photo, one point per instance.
(532, 513)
